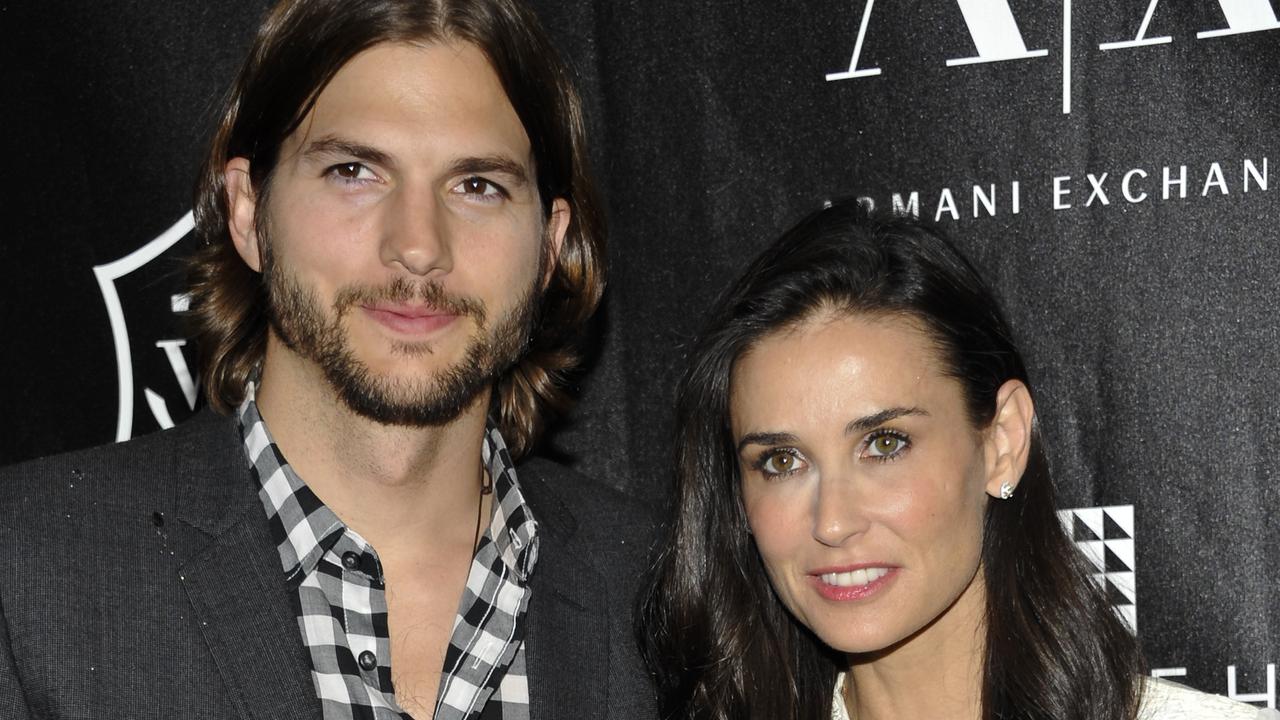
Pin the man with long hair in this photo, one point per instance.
(400, 250)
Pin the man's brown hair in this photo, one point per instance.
(301, 45)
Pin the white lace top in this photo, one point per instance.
(1161, 700)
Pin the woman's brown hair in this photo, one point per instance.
(720, 643)
(301, 45)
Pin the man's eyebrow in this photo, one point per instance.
(765, 438)
(872, 421)
(491, 164)
(346, 148)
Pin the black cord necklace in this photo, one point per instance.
(486, 488)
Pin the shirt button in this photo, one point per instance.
(368, 661)
(350, 560)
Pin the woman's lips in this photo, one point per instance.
(844, 584)
(409, 319)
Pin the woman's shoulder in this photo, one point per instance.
(1164, 700)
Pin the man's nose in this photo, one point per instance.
(416, 234)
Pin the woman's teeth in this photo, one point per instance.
(855, 577)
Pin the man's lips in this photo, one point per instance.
(409, 319)
(852, 582)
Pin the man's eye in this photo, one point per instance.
(480, 187)
(886, 445)
(352, 172)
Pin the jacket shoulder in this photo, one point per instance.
(115, 473)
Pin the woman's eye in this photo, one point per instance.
(352, 172)
(479, 187)
(886, 445)
(780, 462)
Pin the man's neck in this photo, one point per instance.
(397, 486)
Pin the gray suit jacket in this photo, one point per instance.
(140, 581)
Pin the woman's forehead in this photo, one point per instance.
(836, 365)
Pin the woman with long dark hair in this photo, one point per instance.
(864, 522)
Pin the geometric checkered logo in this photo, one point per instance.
(1105, 536)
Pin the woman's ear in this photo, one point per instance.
(1007, 443)
(242, 208)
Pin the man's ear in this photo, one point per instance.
(1008, 439)
(242, 208)
(557, 228)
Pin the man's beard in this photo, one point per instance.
(434, 398)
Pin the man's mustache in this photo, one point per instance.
(403, 290)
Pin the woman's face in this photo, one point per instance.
(864, 481)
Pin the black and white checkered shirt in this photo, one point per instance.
(340, 595)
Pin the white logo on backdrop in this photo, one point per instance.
(995, 34)
(107, 275)
(1067, 193)
(1105, 536)
(1243, 16)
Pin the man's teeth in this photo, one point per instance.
(855, 577)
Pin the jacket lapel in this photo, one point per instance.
(230, 571)
(568, 650)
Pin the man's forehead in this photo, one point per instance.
(418, 94)
(423, 60)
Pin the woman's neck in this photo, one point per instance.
(935, 673)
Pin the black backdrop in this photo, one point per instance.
(1108, 164)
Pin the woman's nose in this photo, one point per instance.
(836, 513)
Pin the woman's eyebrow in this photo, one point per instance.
(861, 424)
(870, 422)
(765, 438)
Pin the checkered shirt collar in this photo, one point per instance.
(513, 527)
(304, 528)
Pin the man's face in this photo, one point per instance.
(404, 248)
